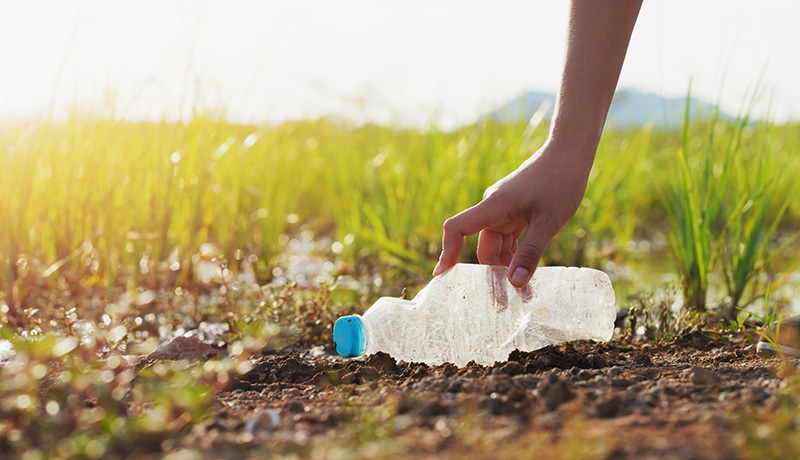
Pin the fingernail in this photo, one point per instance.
(519, 277)
(436, 268)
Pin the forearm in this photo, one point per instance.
(599, 32)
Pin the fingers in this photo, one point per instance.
(490, 247)
(465, 223)
(507, 251)
(527, 256)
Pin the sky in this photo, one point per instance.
(411, 62)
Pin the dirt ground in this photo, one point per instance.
(613, 400)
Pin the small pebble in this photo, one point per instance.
(702, 376)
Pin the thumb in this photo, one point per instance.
(527, 256)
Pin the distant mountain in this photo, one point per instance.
(629, 109)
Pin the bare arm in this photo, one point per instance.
(537, 199)
(598, 38)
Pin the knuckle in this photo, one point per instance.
(529, 253)
(450, 225)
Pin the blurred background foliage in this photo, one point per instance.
(104, 202)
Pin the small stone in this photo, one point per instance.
(292, 392)
(702, 376)
(184, 348)
(615, 371)
(272, 417)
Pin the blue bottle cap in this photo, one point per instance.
(350, 336)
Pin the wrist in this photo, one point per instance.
(577, 130)
(578, 150)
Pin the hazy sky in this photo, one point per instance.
(409, 61)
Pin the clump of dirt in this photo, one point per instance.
(627, 400)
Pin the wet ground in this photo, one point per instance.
(614, 400)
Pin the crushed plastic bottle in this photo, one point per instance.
(473, 313)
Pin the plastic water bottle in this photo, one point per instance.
(473, 313)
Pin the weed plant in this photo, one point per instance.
(725, 200)
(694, 204)
(750, 229)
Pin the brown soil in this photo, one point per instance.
(583, 400)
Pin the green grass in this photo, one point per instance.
(725, 199)
(762, 200)
(103, 202)
(693, 199)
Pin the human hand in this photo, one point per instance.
(533, 202)
(540, 197)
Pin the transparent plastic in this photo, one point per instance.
(473, 313)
